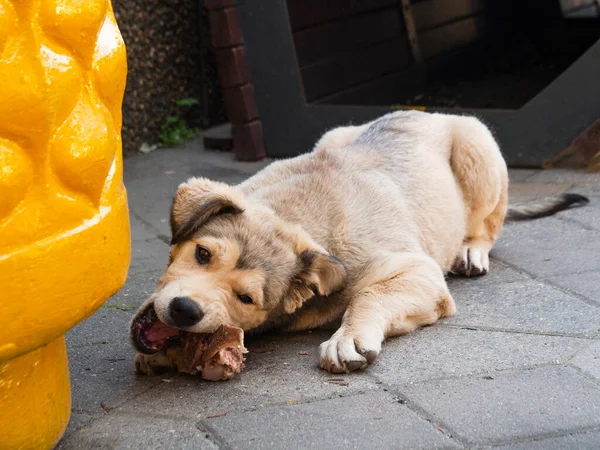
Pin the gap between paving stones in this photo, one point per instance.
(439, 425)
(513, 331)
(213, 437)
(157, 233)
(377, 386)
(550, 284)
(204, 424)
(485, 375)
(584, 374)
(414, 405)
(575, 222)
(540, 437)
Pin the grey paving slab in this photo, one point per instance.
(584, 283)
(566, 176)
(526, 191)
(371, 420)
(517, 175)
(185, 160)
(588, 360)
(149, 255)
(499, 273)
(528, 306)
(580, 441)
(439, 351)
(102, 376)
(136, 290)
(279, 369)
(115, 431)
(588, 215)
(511, 405)
(549, 246)
(80, 419)
(589, 190)
(108, 324)
(139, 230)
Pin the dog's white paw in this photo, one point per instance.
(472, 262)
(347, 351)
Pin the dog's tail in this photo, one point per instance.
(544, 207)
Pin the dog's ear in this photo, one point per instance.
(197, 201)
(319, 274)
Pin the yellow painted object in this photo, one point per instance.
(64, 227)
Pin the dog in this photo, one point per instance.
(360, 232)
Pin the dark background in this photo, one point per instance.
(168, 46)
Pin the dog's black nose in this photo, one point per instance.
(185, 312)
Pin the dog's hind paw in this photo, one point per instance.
(348, 351)
(472, 262)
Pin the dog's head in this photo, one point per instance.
(232, 262)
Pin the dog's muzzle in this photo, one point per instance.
(148, 334)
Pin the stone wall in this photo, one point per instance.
(167, 47)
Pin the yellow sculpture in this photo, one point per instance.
(64, 227)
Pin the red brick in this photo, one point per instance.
(218, 4)
(240, 103)
(224, 28)
(248, 141)
(232, 66)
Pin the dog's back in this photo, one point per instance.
(374, 195)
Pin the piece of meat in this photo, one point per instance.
(217, 356)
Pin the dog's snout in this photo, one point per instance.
(185, 312)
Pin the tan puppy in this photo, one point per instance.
(363, 229)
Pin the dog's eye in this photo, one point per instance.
(202, 255)
(245, 299)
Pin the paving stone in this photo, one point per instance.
(103, 376)
(139, 230)
(125, 431)
(80, 419)
(358, 421)
(518, 175)
(512, 405)
(108, 324)
(526, 191)
(440, 351)
(499, 273)
(549, 246)
(136, 290)
(527, 305)
(588, 360)
(582, 441)
(277, 371)
(148, 256)
(566, 176)
(184, 161)
(589, 190)
(588, 216)
(586, 284)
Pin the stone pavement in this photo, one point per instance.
(518, 366)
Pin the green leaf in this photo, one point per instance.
(187, 102)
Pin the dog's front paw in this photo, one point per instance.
(348, 350)
(472, 262)
(155, 364)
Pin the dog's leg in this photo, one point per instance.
(416, 295)
(481, 171)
